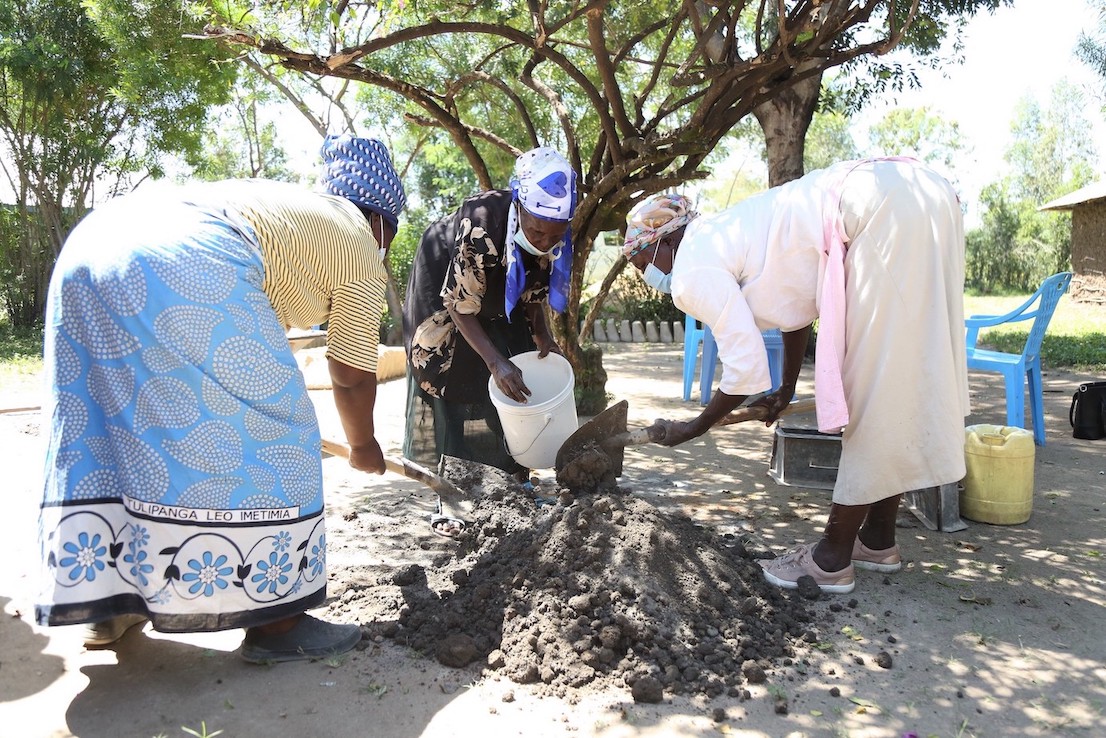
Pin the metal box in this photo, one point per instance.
(937, 507)
(805, 457)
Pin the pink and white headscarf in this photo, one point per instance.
(654, 218)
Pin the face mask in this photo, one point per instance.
(524, 244)
(657, 279)
(380, 238)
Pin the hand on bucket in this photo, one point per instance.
(508, 379)
(545, 344)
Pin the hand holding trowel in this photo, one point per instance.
(445, 489)
(607, 430)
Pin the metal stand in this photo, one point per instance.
(937, 507)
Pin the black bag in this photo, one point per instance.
(1088, 411)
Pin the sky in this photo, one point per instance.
(1012, 53)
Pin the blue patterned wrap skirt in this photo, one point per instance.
(183, 478)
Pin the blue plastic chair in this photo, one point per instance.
(696, 334)
(1018, 369)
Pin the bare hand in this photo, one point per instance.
(545, 343)
(775, 403)
(675, 432)
(367, 458)
(508, 379)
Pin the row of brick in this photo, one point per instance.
(636, 331)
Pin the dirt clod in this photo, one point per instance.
(456, 650)
(647, 690)
(588, 470)
(808, 588)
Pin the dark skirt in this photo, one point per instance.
(467, 427)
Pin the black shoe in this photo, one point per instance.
(310, 638)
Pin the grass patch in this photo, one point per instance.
(1076, 336)
(20, 353)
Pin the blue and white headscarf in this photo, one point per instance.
(360, 170)
(545, 184)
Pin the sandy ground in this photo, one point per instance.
(991, 630)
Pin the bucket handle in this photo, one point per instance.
(548, 420)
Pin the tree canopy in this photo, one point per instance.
(90, 93)
(1050, 154)
(636, 94)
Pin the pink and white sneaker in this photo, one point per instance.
(884, 559)
(785, 570)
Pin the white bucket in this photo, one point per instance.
(535, 430)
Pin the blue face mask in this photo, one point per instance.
(657, 279)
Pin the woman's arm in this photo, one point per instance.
(679, 431)
(539, 329)
(794, 350)
(355, 398)
(507, 376)
(721, 404)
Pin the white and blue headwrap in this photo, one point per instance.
(360, 170)
(545, 184)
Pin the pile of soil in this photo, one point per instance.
(592, 589)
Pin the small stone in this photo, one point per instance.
(883, 660)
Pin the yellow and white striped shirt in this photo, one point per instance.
(322, 263)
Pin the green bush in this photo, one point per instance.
(632, 299)
(20, 351)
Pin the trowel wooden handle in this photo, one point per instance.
(406, 468)
(650, 434)
(759, 412)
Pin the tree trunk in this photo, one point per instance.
(785, 120)
(395, 307)
(586, 358)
